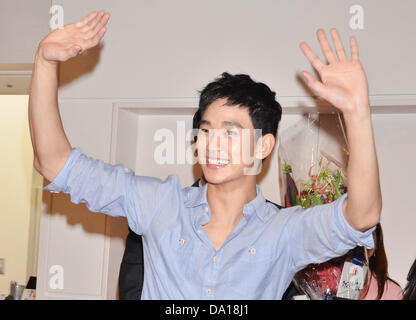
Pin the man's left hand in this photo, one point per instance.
(343, 81)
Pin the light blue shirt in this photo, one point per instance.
(257, 261)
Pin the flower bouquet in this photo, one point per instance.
(323, 187)
(321, 281)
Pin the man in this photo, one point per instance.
(223, 240)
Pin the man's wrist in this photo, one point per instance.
(40, 60)
(360, 114)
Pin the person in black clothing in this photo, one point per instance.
(130, 280)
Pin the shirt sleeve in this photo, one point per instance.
(112, 189)
(321, 233)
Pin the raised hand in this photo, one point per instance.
(73, 39)
(343, 81)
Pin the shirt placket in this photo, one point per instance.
(216, 257)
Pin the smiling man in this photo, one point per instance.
(221, 240)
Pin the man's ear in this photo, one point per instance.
(265, 145)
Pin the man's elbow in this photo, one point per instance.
(369, 222)
(366, 219)
(374, 213)
(51, 169)
(40, 169)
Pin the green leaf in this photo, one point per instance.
(298, 201)
(337, 192)
(287, 169)
(316, 198)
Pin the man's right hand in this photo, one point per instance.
(50, 144)
(73, 39)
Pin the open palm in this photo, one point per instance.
(343, 81)
(73, 39)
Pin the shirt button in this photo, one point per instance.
(208, 291)
(215, 259)
(198, 231)
(182, 241)
(206, 209)
(252, 251)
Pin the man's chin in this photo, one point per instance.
(215, 180)
(215, 177)
(219, 178)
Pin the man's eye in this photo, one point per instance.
(230, 133)
(204, 130)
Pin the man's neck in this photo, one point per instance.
(227, 200)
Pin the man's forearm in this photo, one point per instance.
(50, 144)
(364, 193)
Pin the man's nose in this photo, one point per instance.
(216, 140)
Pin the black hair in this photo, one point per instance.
(410, 290)
(240, 90)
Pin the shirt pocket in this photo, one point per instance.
(249, 275)
(255, 254)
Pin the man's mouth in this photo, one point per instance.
(217, 163)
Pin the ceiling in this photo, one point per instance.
(23, 24)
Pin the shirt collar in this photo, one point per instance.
(198, 196)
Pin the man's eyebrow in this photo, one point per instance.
(232, 123)
(224, 123)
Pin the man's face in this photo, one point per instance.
(226, 143)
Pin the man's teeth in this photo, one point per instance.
(217, 161)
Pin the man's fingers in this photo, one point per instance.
(102, 22)
(338, 45)
(96, 39)
(354, 49)
(74, 51)
(326, 49)
(93, 22)
(86, 19)
(314, 84)
(313, 59)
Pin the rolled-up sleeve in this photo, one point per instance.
(111, 189)
(321, 233)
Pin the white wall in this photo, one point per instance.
(395, 137)
(22, 24)
(171, 49)
(71, 236)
